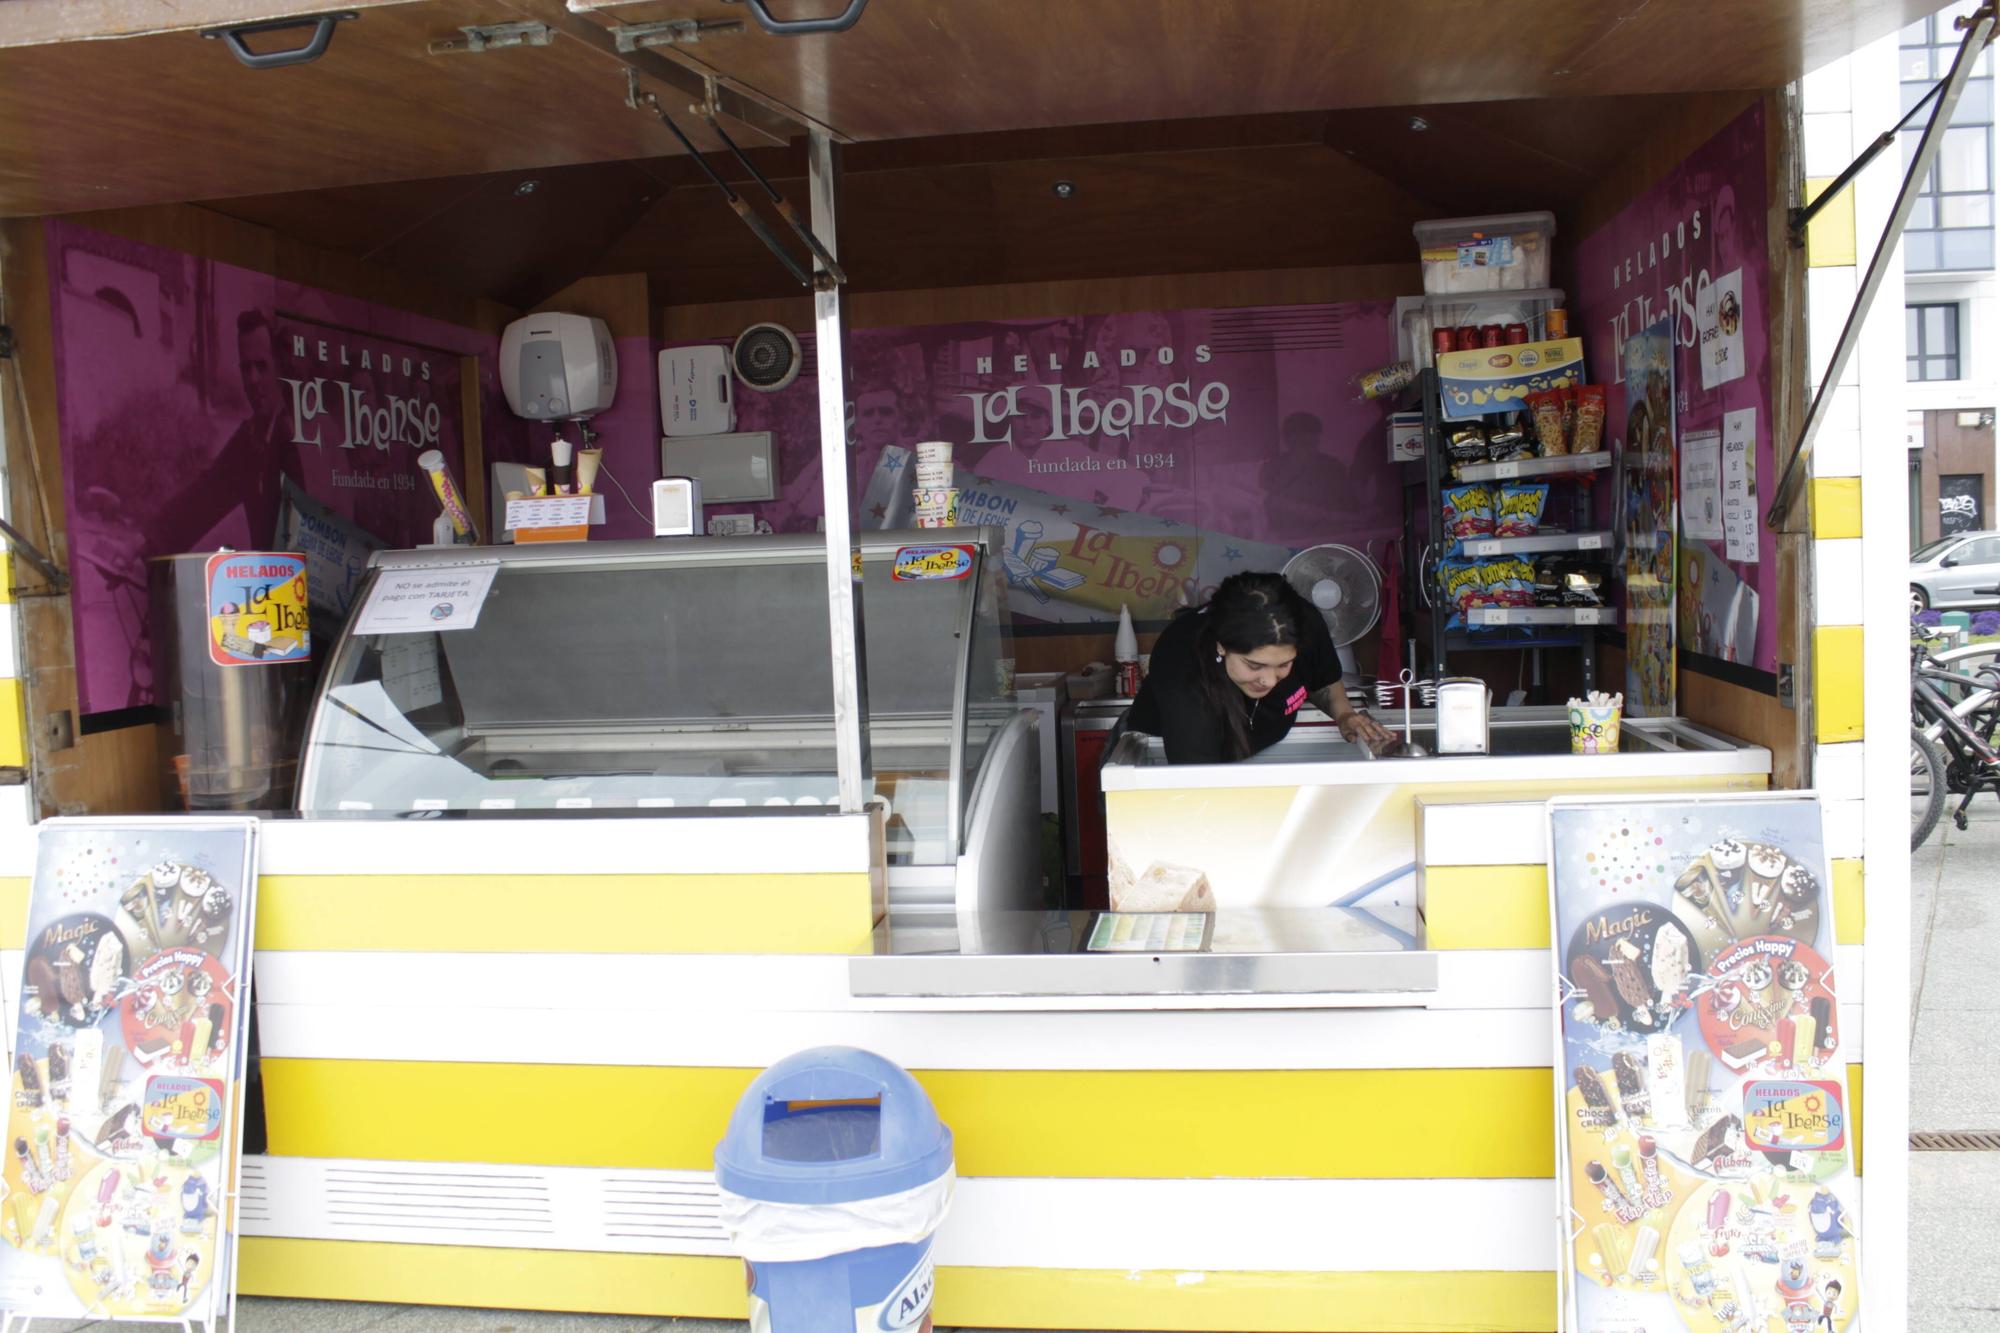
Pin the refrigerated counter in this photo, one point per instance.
(686, 684)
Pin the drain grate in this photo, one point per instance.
(1973, 1142)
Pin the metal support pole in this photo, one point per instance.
(1978, 32)
(843, 590)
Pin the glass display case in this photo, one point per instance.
(664, 676)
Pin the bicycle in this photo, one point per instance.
(1951, 745)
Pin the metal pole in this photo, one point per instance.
(843, 591)
(1979, 31)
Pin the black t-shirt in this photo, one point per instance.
(1173, 706)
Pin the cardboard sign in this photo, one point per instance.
(919, 564)
(129, 1044)
(1496, 380)
(257, 609)
(1703, 1158)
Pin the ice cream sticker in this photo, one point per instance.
(257, 614)
(916, 564)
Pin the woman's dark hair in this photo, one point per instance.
(1248, 612)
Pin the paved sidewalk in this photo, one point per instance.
(1955, 1078)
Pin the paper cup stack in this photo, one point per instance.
(937, 498)
(1594, 721)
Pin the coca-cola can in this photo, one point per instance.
(1443, 340)
(1516, 333)
(1491, 335)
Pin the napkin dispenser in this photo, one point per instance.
(1464, 708)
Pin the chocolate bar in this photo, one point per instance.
(1595, 983)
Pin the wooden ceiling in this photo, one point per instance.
(1266, 192)
(170, 117)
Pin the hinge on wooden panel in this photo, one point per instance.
(494, 37)
(670, 32)
(6, 341)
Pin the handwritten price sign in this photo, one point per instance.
(183, 1108)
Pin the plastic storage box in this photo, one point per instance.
(1508, 252)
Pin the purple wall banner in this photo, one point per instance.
(1692, 251)
(1191, 433)
(189, 391)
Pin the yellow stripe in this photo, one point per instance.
(1830, 238)
(823, 913)
(660, 1285)
(1854, 1081)
(1837, 683)
(1320, 1124)
(1328, 1302)
(6, 576)
(1850, 914)
(13, 725)
(1507, 907)
(13, 911)
(1486, 907)
(1836, 507)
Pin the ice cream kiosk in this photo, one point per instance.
(1047, 315)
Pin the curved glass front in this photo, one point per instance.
(663, 676)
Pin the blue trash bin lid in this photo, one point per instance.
(831, 1125)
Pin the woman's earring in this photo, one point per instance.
(1218, 659)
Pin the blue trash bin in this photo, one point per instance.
(834, 1174)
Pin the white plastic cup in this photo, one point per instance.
(934, 451)
(933, 476)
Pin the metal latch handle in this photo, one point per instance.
(315, 46)
(778, 27)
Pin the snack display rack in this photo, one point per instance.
(1529, 629)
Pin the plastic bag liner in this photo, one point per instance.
(799, 1232)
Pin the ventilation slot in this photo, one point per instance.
(416, 1202)
(1956, 1142)
(1297, 329)
(665, 1210)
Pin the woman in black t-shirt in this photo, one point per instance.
(1228, 681)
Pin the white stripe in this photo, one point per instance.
(1491, 1011)
(1845, 829)
(1308, 1226)
(763, 843)
(1496, 833)
(10, 655)
(17, 831)
(1837, 581)
(729, 1039)
(1837, 771)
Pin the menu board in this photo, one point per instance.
(1705, 1150)
(122, 1137)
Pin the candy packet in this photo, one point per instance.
(1386, 381)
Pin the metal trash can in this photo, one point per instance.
(834, 1174)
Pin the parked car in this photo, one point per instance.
(1955, 571)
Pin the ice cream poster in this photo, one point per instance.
(257, 609)
(1704, 1155)
(122, 1141)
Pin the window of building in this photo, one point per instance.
(1951, 226)
(1930, 341)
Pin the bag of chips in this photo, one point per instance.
(1468, 512)
(1518, 512)
(1588, 435)
(1547, 407)
(1471, 584)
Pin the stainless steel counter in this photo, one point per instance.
(1375, 956)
